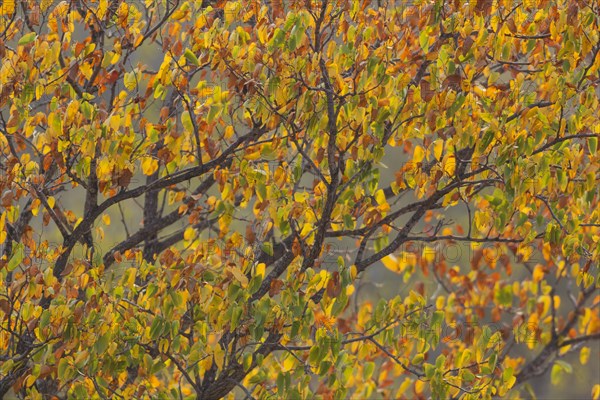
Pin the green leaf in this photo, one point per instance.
(191, 57)
(236, 314)
(159, 91)
(507, 374)
(80, 391)
(130, 80)
(214, 112)
(439, 362)
(429, 370)
(103, 342)
(313, 355)
(159, 365)
(87, 109)
(63, 366)
(424, 40)
(593, 144)
(368, 369)
(280, 383)
(340, 303)
(324, 367)
(468, 376)
(186, 121)
(261, 191)
(17, 258)
(26, 39)
(565, 366)
(492, 361)
(556, 374)
(267, 247)
(418, 359)
(44, 319)
(437, 318)
(156, 328)
(278, 38)
(247, 363)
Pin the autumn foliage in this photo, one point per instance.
(194, 195)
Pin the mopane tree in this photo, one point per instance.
(193, 192)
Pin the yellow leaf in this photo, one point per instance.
(232, 11)
(403, 388)
(39, 91)
(106, 219)
(438, 146)
(260, 270)
(380, 197)
(349, 290)
(391, 263)
(407, 259)
(51, 201)
(419, 386)
(306, 228)
(429, 254)
(154, 382)
(538, 273)
(104, 167)
(545, 301)
(449, 164)
(164, 68)
(130, 80)
(584, 355)
(419, 154)
(2, 230)
(262, 34)
(189, 233)
(239, 275)
(596, 392)
(149, 165)
(35, 209)
(439, 302)
(8, 8)
(102, 8)
(300, 197)
(353, 272)
(31, 378)
(130, 277)
(229, 132)
(72, 109)
(115, 122)
(556, 302)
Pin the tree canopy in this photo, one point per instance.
(193, 194)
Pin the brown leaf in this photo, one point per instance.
(7, 198)
(483, 7)
(250, 235)
(124, 178)
(67, 270)
(572, 13)
(296, 248)
(275, 289)
(511, 25)
(420, 288)
(467, 44)
(45, 370)
(426, 92)
(79, 48)
(4, 306)
(164, 113)
(452, 82)
(178, 48)
(334, 287)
